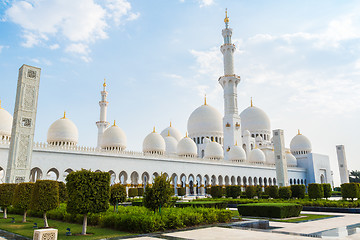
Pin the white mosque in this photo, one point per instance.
(229, 149)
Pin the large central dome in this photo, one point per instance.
(205, 120)
(254, 119)
(5, 124)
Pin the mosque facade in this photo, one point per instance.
(219, 149)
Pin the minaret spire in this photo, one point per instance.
(229, 82)
(102, 124)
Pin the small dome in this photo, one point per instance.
(205, 119)
(237, 154)
(114, 138)
(254, 119)
(63, 132)
(170, 145)
(290, 159)
(213, 150)
(257, 156)
(300, 145)
(5, 124)
(246, 133)
(187, 147)
(172, 132)
(154, 143)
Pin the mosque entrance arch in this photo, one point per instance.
(191, 184)
(52, 174)
(112, 177)
(123, 177)
(35, 174)
(322, 178)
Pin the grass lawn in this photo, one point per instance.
(26, 229)
(305, 217)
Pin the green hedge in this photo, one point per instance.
(298, 191)
(272, 191)
(284, 192)
(209, 204)
(181, 191)
(250, 191)
(232, 191)
(140, 191)
(142, 220)
(132, 192)
(327, 190)
(315, 191)
(63, 195)
(270, 210)
(350, 190)
(216, 191)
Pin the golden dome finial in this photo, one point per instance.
(154, 130)
(186, 134)
(64, 115)
(226, 20)
(0, 105)
(104, 84)
(114, 123)
(236, 143)
(170, 123)
(251, 102)
(205, 100)
(299, 132)
(168, 133)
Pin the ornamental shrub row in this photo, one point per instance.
(232, 191)
(270, 210)
(141, 219)
(298, 191)
(205, 204)
(350, 190)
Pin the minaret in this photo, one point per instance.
(102, 124)
(229, 82)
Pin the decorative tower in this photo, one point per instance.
(229, 82)
(343, 168)
(102, 124)
(23, 127)
(280, 158)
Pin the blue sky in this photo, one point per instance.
(299, 60)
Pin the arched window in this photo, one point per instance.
(212, 138)
(198, 140)
(290, 181)
(216, 139)
(202, 140)
(202, 153)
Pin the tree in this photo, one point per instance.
(159, 195)
(354, 176)
(44, 197)
(6, 195)
(88, 192)
(63, 196)
(117, 194)
(22, 197)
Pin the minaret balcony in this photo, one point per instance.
(229, 79)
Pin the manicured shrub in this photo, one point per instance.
(272, 191)
(259, 191)
(250, 191)
(298, 191)
(44, 197)
(208, 190)
(315, 191)
(181, 191)
(284, 192)
(132, 192)
(205, 204)
(270, 210)
(140, 191)
(159, 195)
(117, 194)
(350, 190)
(216, 191)
(6, 195)
(233, 191)
(63, 196)
(327, 190)
(22, 197)
(89, 192)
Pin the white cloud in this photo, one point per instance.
(1, 48)
(80, 48)
(205, 3)
(79, 22)
(54, 46)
